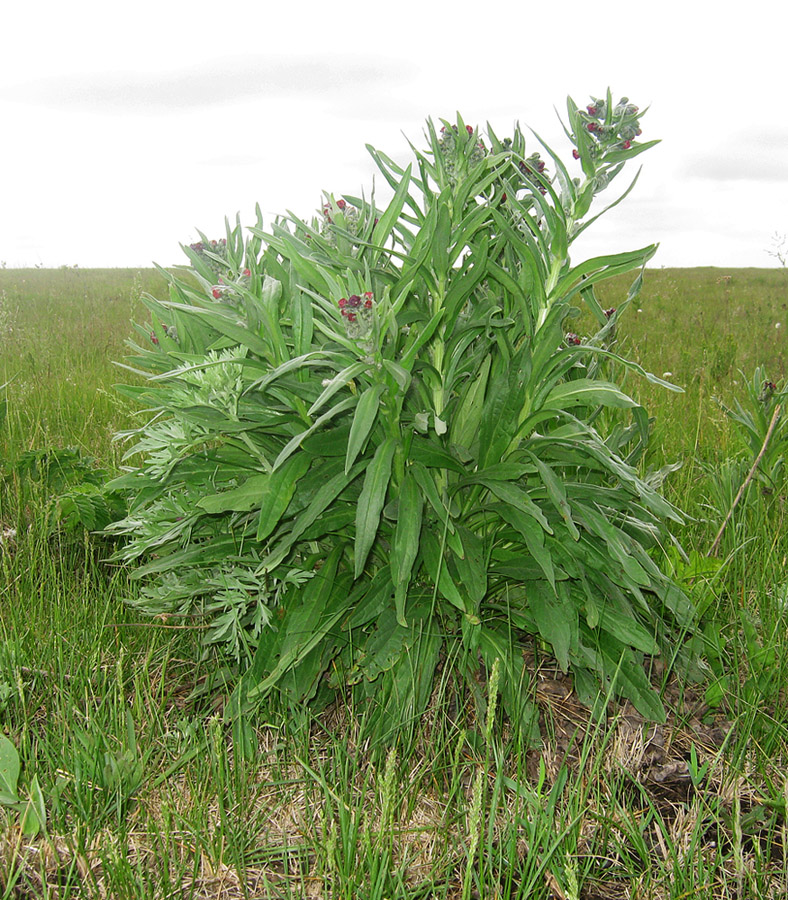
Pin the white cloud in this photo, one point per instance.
(213, 83)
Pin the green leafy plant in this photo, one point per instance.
(32, 811)
(373, 449)
(75, 489)
(752, 416)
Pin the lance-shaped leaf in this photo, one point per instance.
(587, 392)
(9, 771)
(556, 619)
(382, 230)
(278, 493)
(325, 600)
(405, 546)
(259, 490)
(533, 535)
(340, 380)
(515, 496)
(435, 564)
(336, 480)
(627, 630)
(363, 420)
(465, 422)
(557, 494)
(292, 445)
(371, 500)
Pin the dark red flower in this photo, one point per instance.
(469, 129)
(247, 272)
(153, 337)
(341, 204)
(592, 110)
(217, 294)
(351, 317)
(367, 304)
(354, 301)
(572, 339)
(503, 197)
(626, 145)
(368, 295)
(343, 303)
(609, 312)
(576, 154)
(592, 126)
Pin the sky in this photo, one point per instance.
(128, 127)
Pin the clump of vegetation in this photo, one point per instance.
(376, 450)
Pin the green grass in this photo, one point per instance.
(148, 795)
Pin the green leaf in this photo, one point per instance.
(9, 770)
(627, 630)
(472, 567)
(386, 645)
(336, 480)
(465, 422)
(587, 392)
(557, 494)
(437, 569)
(382, 231)
(324, 601)
(432, 455)
(405, 545)
(533, 535)
(515, 496)
(371, 500)
(430, 490)
(363, 420)
(241, 499)
(556, 618)
(34, 814)
(630, 679)
(278, 492)
(340, 380)
(292, 445)
(421, 337)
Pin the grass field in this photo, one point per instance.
(147, 794)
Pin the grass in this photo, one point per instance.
(148, 794)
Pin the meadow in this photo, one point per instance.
(144, 792)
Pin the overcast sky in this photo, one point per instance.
(125, 127)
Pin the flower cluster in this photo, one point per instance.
(572, 340)
(208, 251)
(768, 391)
(341, 204)
(532, 167)
(227, 292)
(170, 330)
(612, 129)
(351, 221)
(352, 305)
(452, 144)
(357, 312)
